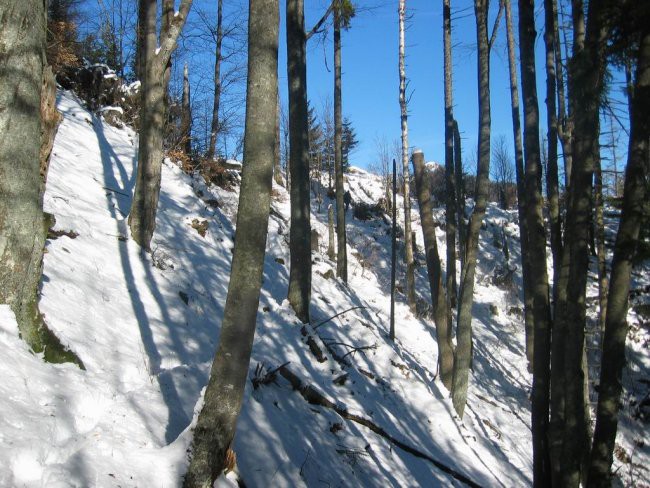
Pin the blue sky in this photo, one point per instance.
(370, 76)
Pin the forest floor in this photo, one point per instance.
(146, 327)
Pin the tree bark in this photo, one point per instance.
(142, 218)
(635, 195)
(215, 427)
(300, 232)
(23, 225)
(536, 248)
(450, 194)
(521, 190)
(463, 356)
(214, 126)
(460, 196)
(586, 85)
(438, 296)
(186, 116)
(393, 252)
(408, 244)
(341, 255)
(552, 183)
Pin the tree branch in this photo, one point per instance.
(334, 316)
(319, 24)
(496, 26)
(315, 397)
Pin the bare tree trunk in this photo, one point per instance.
(463, 356)
(331, 249)
(393, 251)
(186, 113)
(438, 296)
(552, 184)
(450, 196)
(521, 190)
(536, 248)
(341, 255)
(300, 232)
(214, 126)
(600, 244)
(408, 244)
(277, 166)
(460, 196)
(142, 219)
(635, 196)
(23, 225)
(215, 427)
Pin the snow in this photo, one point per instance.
(146, 327)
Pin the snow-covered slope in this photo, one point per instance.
(146, 327)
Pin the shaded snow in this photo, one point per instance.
(146, 327)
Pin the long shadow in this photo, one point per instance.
(110, 160)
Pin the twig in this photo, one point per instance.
(313, 396)
(334, 316)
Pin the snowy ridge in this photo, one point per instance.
(146, 327)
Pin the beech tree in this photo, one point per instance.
(463, 356)
(438, 295)
(450, 174)
(23, 225)
(635, 195)
(536, 248)
(156, 54)
(214, 125)
(215, 426)
(521, 191)
(300, 232)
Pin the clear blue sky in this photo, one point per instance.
(370, 75)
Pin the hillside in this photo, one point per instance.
(146, 327)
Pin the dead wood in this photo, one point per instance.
(315, 397)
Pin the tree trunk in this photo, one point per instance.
(341, 255)
(23, 225)
(214, 126)
(552, 184)
(277, 166)
(438, 295)
(635, 195)
(331, 249)
(215, 427)
(450, 194)
(142, 218)
(460, 195)
(186, 113)
(393, 251)
(586, 85)
(600, 244)
(463, 356)
(521, 191)
(300, 232)
(408, 245)
(536, 248)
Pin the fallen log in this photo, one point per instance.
(315, 397)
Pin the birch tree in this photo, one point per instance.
(408, 242)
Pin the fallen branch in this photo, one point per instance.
(313, 396)
(337, 315)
